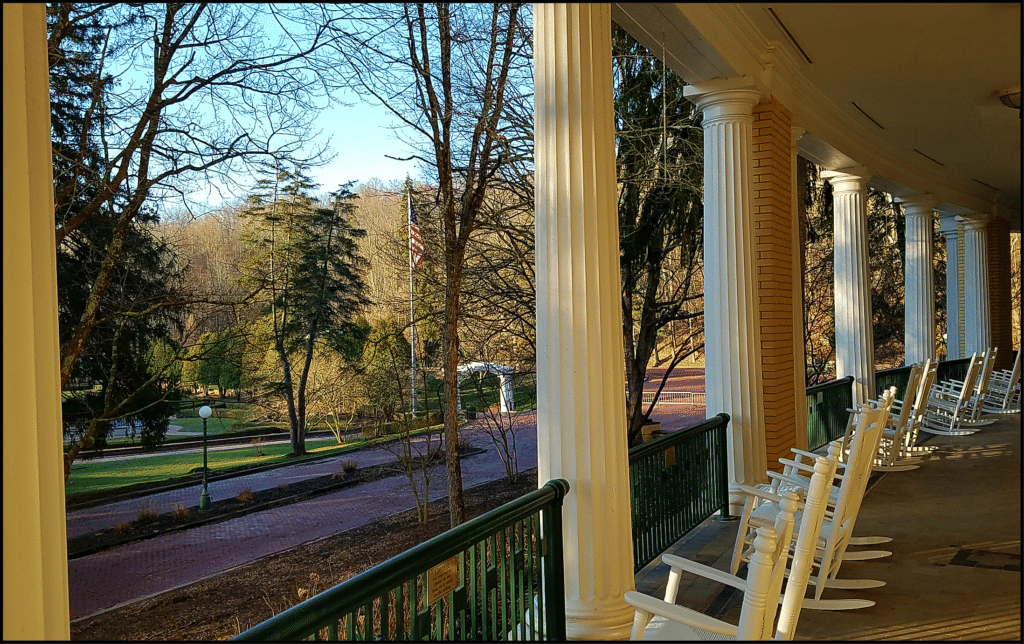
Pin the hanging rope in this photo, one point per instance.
(664, 110)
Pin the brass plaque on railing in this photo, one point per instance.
(442, 579)
(670, 456)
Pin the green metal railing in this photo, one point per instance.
(496, 577)
(677, 481)
(952, 369)
(898, 377)
(827, 403)
(826, 411)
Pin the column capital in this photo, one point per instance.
(948, 224)
(724, 99)
(920, 204)
(850, 179)
(795, 133)
(974, 222)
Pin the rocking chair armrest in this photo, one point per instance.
(766, 495)
(805, 454)
(680, 614)
(794, 481)
(701, 570)
(808, 467)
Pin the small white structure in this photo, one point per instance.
(506, 399)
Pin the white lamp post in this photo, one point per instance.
(204, 498)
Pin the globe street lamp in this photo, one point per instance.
(204, 498)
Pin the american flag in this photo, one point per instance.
(415, 239)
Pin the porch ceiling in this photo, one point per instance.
(908, 90)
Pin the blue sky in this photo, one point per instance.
(360, 138)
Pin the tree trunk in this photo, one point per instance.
(450, 349)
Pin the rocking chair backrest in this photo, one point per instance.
(924, 387)
(969, 379)
(875, 419)
(911, 390)
(986, 371)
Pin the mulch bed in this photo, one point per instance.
(222, 606)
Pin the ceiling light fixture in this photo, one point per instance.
(1010, 97)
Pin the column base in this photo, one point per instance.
(599, 620)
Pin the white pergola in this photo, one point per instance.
(506, 393)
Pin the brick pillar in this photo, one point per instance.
(1001, 306)
(774, 239)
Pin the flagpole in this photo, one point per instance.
(412, 312)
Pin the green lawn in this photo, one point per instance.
(89, 477)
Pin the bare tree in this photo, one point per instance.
(453, 75)
(153, 104)
(659, 163)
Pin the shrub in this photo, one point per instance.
(180, 512)
(349, 466)
(245, 496)
(257, 443)
(122, 527)
(147, 512)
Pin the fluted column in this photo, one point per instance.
(919, 280)
(35, 529)
(799, 342)
(855, 352)
(732, 343)
(977, 316)
(950, 230)
(581, 404)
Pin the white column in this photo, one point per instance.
(799, 344)
(581, 404)
(35, 530)
(977, 318)
(949, 228)
(855, 353)
(919, 279)
(732, 343)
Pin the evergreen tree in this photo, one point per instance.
(304, 270)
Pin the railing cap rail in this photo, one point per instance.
(660, 443)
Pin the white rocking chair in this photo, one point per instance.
(845, 504)
(920, 401)
(946, 412)
(890, 456)
(669, 622)
(1004, 390)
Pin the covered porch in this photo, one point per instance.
(954, 573)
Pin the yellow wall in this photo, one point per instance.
(35, 540)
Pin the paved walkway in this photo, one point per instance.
(127, 573)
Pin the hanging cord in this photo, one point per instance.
(664, 109)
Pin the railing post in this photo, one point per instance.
(723, 467)
(554, 572)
